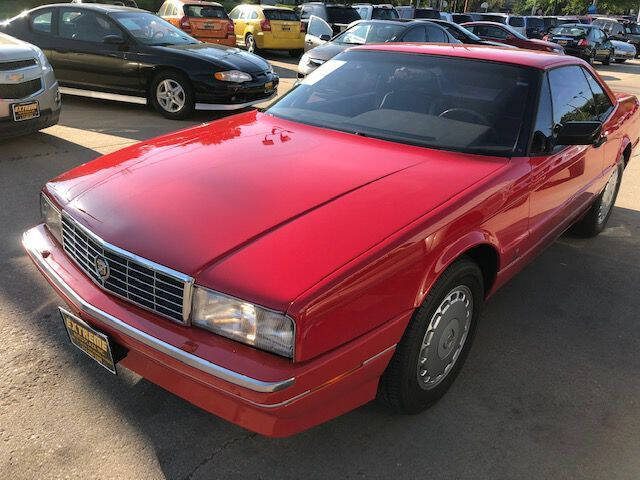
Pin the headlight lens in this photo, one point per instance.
(42, 59)
(243, 321)
(235, 76)
(51, 217)
(304, 59)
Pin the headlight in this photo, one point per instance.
(42, 59)
(304, 59)
(51, 217)
(243, 321)
(235, 76)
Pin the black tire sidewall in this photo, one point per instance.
(184, 82)
(246, 42)
(414, 398)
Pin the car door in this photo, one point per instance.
(42, 26)
(317, 32)
(563, 178)
(84, 60)
(599, 37)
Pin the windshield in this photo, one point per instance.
(342, 15)
(535, 22)
(569, 31)
(152, 30)
(384, 14)
(205, 11)
(365, 32)
(286, 15)
(493, 18)
(632, 28)
(426, 100)
(426, 13)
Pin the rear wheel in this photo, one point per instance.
(171, 95)
(250, 43)
(598, 215)
(436, 341)
(607, 59)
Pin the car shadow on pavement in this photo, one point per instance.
(550, 387)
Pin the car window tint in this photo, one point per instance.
(602, 100)
(384, 14)
(205, 11)
(544, 119)
(42, 22)
(416, 34)
(571, 95)
(253, 15)
(85, 25)
(342, 15)
(317, 27)
(370, 32)
(163, 9)
(434, 34)
(233, 15)
(516, 21)
(285, 15)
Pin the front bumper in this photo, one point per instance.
(211, 94)
(258, 391)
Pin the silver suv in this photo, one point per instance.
(29, 97)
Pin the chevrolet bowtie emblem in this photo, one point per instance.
(15, 77)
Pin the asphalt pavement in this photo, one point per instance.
(551, 388)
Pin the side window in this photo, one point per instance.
(305, 13)
(85, 25)
(495, 32)
(162, 10)
(416, 34)
(362, 11)
(571, 95)
(318, 27)
(253, 15)
(234, 14)
(543, 128)
(42, 22)
(434, 34)
(602, 100)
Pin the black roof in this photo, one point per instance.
(101, 7)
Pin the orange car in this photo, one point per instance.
(206, 21)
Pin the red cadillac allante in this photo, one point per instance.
(281, 268)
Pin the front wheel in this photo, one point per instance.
(171, 95)
(607, 59)
(436, 341)
(598, 215)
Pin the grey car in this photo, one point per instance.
(29, 97)
(623, 51)
(368, 31)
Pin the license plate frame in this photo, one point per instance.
(21, 116)
(93, 343)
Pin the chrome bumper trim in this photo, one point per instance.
(155, 343)
(236, 106)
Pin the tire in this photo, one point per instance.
(171, 94)
(296, 53)
(619, 60)
(598, 214)
(607, 60)
(400, 387)
(250, 44)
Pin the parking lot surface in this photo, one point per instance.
(550, 389)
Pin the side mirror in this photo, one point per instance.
(114, 40)
(579, 133)
(325, 37)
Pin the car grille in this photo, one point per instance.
(132, 278)
(20, 90)
(6, 66)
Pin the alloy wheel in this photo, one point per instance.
(608, 196)
(171, 96)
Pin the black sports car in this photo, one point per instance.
(126, 54)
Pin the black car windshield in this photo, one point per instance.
(342, 15)
(426, 100)
(535, 22)
(569, 31)
(370, 32)
(152, 30)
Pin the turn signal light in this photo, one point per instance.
(303, 27)
(230, 29)
(583, 42)
(265, 25)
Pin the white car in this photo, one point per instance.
(29, 97)
(622, 51)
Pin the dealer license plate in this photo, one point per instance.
(92, 342)
(25, 111)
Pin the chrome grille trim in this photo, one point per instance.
(137, 280)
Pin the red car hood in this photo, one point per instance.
(194, 199)
(543, 43)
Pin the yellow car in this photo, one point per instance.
(261, 27)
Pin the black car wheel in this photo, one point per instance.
(607, 60)
(250, 43)
(172, 95)
(436, 341)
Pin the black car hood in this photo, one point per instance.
(327, 51)
(226, 57)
